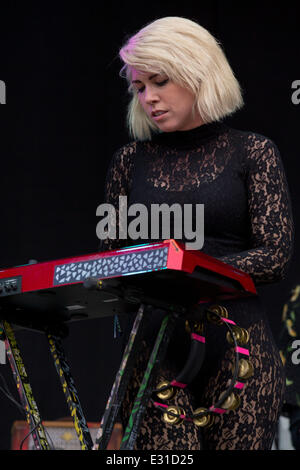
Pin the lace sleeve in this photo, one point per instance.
(270, 214)
(118, 183)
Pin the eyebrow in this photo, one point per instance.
(150, 78)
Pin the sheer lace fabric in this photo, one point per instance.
(239, 178)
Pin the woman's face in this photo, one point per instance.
(167, 104)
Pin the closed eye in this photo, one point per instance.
(162, 83)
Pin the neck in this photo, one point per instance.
(193, 136)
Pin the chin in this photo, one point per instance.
(168, 128)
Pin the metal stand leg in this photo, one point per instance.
(120, 384)
(145, 389)
(70, 393)
(32, 414)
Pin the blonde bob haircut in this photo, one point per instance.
(191, 57)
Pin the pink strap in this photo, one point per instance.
(217, 410)
(239, 385)
(242, 350)
(228, 321)
(160, 404)
(178, 384)
(198, 337)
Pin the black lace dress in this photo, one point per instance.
(239, 178)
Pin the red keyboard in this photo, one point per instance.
(54, 289)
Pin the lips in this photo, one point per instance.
(158, 113)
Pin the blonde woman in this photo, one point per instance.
(181, 88)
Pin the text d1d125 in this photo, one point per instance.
(2, 92)
(296, 93)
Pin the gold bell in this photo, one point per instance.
(241, 335)
(170, 418)
(166, 394)
(232, 402)
(246, 369)
(219, 310)
(196, 326)
(204, 420)
(245, 336)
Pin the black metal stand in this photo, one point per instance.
(120, 384)
(24, 388)
(145, 390)
(122, 378)
(25, 391)
(70, 392)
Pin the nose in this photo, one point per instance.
(151, 95)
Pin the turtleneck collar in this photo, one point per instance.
(195, 136)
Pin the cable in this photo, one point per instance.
(27, 435)
(52, 447)
(9, 395)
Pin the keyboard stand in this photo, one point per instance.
(25, 392)
(119, 387)
(70, 392)
(120, 384)
(145, 390)
(71, 396)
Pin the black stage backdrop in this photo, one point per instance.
(64, 117)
